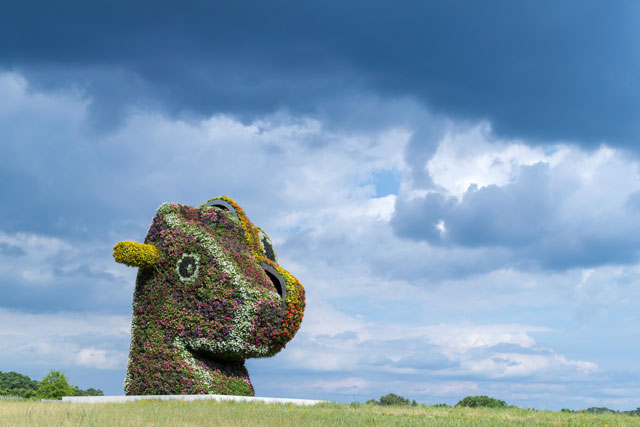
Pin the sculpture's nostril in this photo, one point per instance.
(275, 281)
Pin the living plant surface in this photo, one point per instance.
(200, 413)
(209, 295)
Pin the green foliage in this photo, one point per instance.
(481, 402)
(600, 410)
(15, 384)
(88, 392)
(603, 410)
(54, 385)
(392, 400)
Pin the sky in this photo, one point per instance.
(456, 185)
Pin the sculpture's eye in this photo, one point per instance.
(267, 247)
(276, 279)
(187, 267)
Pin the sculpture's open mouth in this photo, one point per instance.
(206, 358)
(231, 368)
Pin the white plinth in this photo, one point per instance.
(188, 398)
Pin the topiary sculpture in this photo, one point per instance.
(209, 294)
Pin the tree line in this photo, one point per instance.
(54, 385)
(469, 401)
(484, 402)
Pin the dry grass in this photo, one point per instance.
(199, 413)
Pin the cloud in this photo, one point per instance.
(49, 274)
(86, 181)
(63, 339)
(440, 361)
(469, 351)
(546, 73)
(552, 209)
(100, 359)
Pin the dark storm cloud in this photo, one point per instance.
(540, 70)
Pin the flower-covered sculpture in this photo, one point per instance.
(209, 294)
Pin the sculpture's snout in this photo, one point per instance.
(135, 254)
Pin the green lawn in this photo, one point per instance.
(178, 413)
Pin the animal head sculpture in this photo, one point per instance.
(209, 294)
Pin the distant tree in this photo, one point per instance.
(88, 392)
(481, 402)
(54, 385)
(15, 384)
(14, 380)
(391, 400)
(93, 392)
(600, 410)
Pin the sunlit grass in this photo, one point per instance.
(197, 413)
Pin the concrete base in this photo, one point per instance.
(188, 398)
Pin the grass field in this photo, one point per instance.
(200, 413)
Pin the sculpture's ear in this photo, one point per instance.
(222, 204)
(135, 254)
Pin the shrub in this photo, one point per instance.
(392, 400)
(481, 402)
(55, 385)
